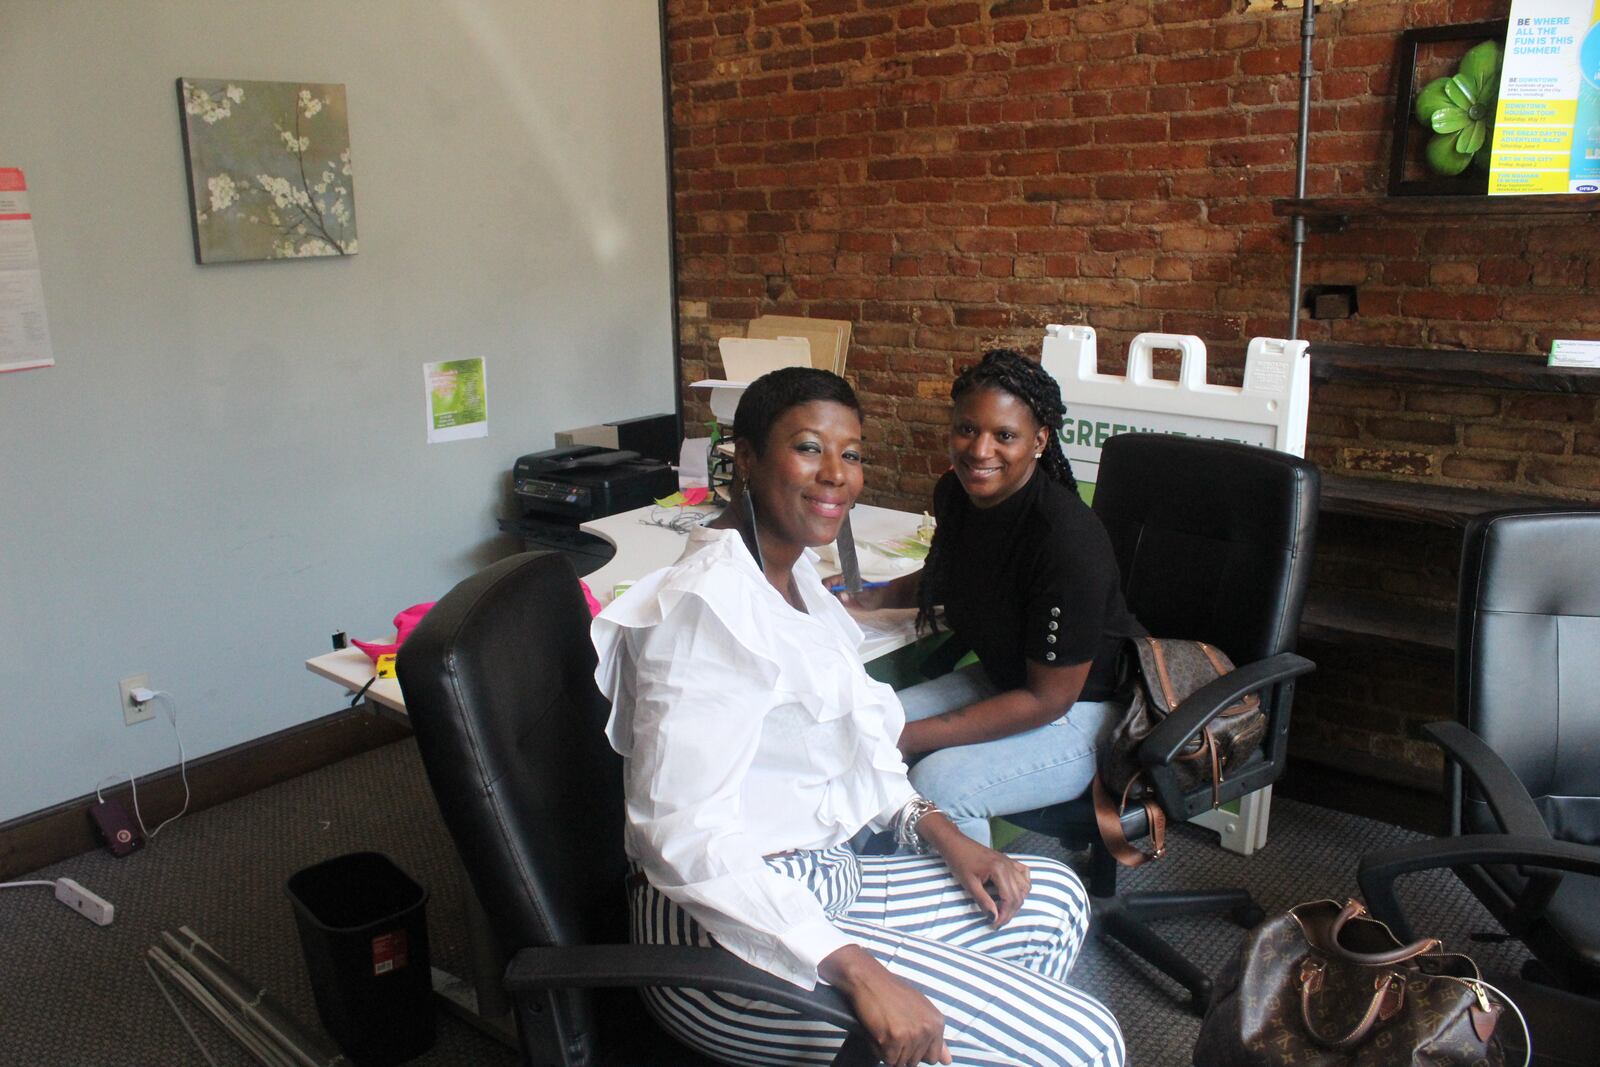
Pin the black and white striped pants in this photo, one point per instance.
(1002, 992)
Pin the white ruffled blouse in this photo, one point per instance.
(747, 728)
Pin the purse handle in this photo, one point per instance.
(1354, 909)
(1387, 997)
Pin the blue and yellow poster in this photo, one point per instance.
(1547, 124)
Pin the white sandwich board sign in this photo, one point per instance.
(1269, 409)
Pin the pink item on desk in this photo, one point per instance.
(404, 623)
(594, 605)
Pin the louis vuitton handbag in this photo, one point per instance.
(1165, 672)
(1326, 985)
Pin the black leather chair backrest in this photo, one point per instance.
(1205, 533)
(499, 682)
(1528, 660)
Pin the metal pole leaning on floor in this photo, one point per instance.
(247, 1013)
(252, 1003)
(253, 1043)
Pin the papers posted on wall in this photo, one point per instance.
(24, 331)
(1547, 121)
(457, 399)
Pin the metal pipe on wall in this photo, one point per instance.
(1308, 35)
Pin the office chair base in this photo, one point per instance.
(1126, 919)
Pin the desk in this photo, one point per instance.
(351, 668)
(642, 545)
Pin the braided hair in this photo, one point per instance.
(1007, 370)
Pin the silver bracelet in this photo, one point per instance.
(906, 822)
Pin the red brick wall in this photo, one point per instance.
(1527, 443)
(953, 176)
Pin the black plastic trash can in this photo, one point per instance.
(363, 927)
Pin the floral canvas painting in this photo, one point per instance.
(269, 169)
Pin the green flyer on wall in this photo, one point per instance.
(1547, 124)
(458, 399)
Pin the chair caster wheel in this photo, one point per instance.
(1248, 915)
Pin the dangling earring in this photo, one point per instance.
(748, 527)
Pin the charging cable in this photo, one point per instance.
(141, 696)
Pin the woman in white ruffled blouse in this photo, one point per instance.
(755, 747)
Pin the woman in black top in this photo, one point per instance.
(1027, 579)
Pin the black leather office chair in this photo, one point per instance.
(1524, 782)
(499, 682)
(1214, 541)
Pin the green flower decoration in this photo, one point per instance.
(1459, 110)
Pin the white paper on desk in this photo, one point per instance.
(693, 463)
(24, 330)
(886, 623)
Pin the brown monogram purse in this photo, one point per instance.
(1326, 985)
(1167, 671)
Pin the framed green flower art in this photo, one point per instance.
(1448, 82)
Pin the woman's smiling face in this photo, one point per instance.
(809, 474)
(994, 440)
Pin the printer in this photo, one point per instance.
(582, 482)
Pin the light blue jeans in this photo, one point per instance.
(1045, 765)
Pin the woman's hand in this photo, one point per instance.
(871, 597)
(997, 882)
(904, 1025)
(901, 592)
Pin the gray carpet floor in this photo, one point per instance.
(77, 995)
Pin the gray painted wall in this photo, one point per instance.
(228, 462)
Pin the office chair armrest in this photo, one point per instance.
(1508, 799)
(1168, 740)
(685, 966)
(1378, 870)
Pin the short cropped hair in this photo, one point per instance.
(772, 394)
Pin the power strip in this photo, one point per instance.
(96, 909)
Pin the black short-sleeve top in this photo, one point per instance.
(1032, 578)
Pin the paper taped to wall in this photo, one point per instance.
(24, 330)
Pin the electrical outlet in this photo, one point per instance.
(131, 712)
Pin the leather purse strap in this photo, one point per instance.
(1216, 769)
(1168, 701)
(1400, 954)
(1108, 817)
(1387, 997)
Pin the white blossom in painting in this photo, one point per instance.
(209, 108)
(223, 191)
(269, 169)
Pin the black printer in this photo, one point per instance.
(559, 488)
(583, 482)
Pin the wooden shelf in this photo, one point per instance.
(1419, 502)
(1435, 207)
(1361, 620)
(1337, 361)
